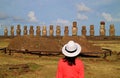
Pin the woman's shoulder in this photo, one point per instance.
(61, 60)
(79, 61)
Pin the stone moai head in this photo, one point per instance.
(18, 30)
(25, 30)
(58, 31)
(66, 31)
(102, 28)
(51, 31)
(74, 24)
(5, 32)
(12, 31)
(112, 30)
(74, 29)
(18, 26)
(31, 31)
(84, 30)
(38, 31)
(44, 31)
(92, 30)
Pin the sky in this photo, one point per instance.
(60, 12)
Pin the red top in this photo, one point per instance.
(67, 71)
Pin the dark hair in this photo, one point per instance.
(70, 60)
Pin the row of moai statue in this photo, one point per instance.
(58, 30)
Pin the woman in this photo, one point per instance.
(70, 66)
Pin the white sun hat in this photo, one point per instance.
(71, 49)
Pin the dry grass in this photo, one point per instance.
(47, 65)
(114, 45)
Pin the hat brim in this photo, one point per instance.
(77, 52)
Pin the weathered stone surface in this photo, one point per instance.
(25, 31)
(31, 43)
(58, 31)
(86, 46)
(38, 31)
(112, 30)
(74, 29)
(92, 30)
(83, 31)
(12, 31)
(51, 31)
(31, 31)
(5, 32)
(66, 31)
(18, 30)
(102, 28)
(44, 31)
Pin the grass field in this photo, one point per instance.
(46, 66)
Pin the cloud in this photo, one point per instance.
(18, 19)
(83, 8)
(81, 17)
(108, 17)
(62, 22)
(3, 16)
(32, 17)
(81, 11)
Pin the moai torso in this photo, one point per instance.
(91, 30)
(58, 31)
(66, 31)
(102, 28)
(12, 31)
(38, 32)
(74, 29)
(18, 30)
(84, 30)
(25, 30)
(31, 31)
(5, 32)
(44, 31)
(51, 31)
(112, 30)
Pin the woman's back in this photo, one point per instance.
(67, 71)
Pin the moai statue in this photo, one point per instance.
(5, 32)
(51, 31)
(112, 30)
(38, 32)
(84, 31)
(44, 31)
(74, 29)
(31, 31)
(66, 31)
(18, 31)
(58, 31)
(92, 30)
(102, 28)
(25, 31)
(12, 31)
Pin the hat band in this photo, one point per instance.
(71, 51)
